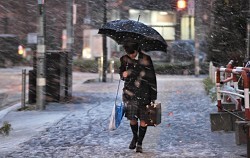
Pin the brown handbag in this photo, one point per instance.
(153, 111)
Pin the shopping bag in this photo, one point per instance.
(117, 114)
(112, 119)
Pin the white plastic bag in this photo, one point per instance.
(112, 119)
(117, 114)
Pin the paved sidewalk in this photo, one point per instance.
(10, 85)
(79, 129)
(26, 124)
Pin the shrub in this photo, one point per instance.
(6, 128)
(209, 87)
(84, 65)
(179, 68)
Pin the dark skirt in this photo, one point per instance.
(134, 111)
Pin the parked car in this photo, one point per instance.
(184, 50)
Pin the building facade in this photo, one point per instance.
(20, 18)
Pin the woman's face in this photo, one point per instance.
(132, 56)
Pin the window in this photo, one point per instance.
(161, 21)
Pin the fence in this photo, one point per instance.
(227, 86)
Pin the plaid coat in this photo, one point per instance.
(140, 85)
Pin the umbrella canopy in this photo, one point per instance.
(123, 31)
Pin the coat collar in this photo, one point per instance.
(137, 56)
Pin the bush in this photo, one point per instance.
(186, 68)
(173, 69)
(209, 87)
(84, 65)
(5, 129)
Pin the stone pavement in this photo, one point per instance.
(80, 129)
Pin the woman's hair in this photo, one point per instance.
(131, 47)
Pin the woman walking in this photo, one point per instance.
(140, 89)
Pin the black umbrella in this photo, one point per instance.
(123, 31)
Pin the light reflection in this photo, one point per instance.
(86, 53)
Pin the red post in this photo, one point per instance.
(235, 81)
(246, 94)
(218, 89)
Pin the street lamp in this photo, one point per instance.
(181, 4)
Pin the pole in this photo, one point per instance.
(104, 42)
(247, 56)
(69, 28)
(248, 139)
(23, 99)
(248, 34)
(100, 68)
(218, 90)
(5, 24)
(189, 26)
(178, 25)
(112, 71)
(197, 47)
(40, 77)
(247, 59)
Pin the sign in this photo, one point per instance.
(191, 7)
(64, 39)
(74, 13)
(32, 38)
(40, 1)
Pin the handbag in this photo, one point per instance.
(117, 113)
(153, 110)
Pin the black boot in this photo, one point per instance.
(134, 129)
(142, 132)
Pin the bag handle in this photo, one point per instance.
(117, 91)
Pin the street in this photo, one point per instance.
(184, 131)
(11, 81)
(67, 42)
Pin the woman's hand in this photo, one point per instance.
(125, 74)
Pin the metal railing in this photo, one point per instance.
(242, 71)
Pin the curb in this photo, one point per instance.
(7, 110)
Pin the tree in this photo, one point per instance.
(226, 40)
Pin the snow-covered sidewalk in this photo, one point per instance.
(80, 129)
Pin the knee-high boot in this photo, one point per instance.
(134, 129)
(142, 132)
